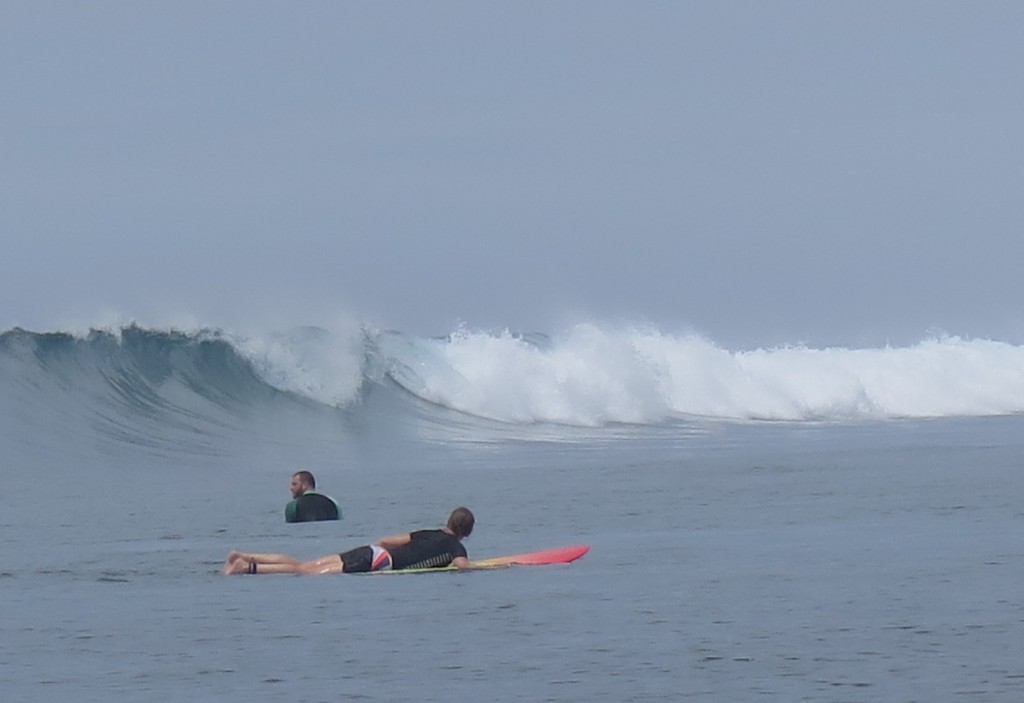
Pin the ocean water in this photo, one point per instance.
(771, 524)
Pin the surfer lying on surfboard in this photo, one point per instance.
(415, 550)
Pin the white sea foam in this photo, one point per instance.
(321, 364)
(593, 375)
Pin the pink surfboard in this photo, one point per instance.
(562, 555)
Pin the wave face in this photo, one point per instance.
(172, 389)
(163, 390)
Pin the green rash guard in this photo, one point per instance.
(312, 507)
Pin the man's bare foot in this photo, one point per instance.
(238, 566)
(235, 559)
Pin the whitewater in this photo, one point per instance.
(589, 376)
(784, 523)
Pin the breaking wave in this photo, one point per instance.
(590, 376)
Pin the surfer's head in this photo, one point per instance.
(460, 522)
(302, 481)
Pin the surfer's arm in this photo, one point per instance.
(462, 563)
(394, 541)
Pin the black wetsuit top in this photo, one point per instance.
(427, 549)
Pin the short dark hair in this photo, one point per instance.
(461, 522)
(306, 477)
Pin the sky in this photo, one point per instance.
(762, 173)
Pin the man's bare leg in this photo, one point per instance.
(234, 558)
(242, 563)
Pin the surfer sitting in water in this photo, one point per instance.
(308, 505)
(416, 550)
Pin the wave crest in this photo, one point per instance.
(589, 376)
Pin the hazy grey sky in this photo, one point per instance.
(762, 172)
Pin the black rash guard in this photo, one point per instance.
(427, 549)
